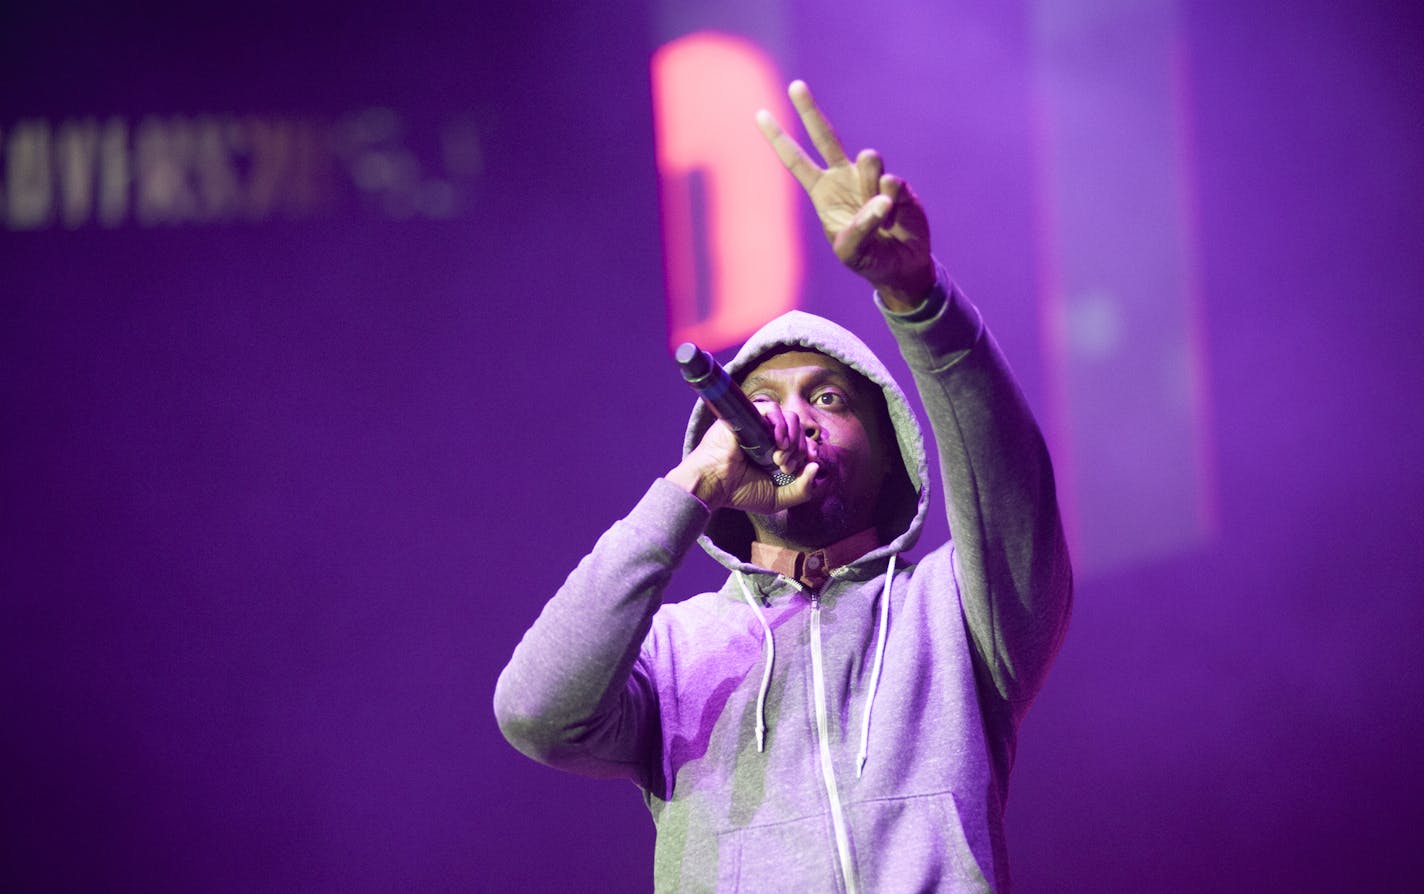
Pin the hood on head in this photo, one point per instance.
(905, 495)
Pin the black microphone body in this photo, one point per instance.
(730, 404)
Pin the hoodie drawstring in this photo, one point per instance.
(770, 644)
(875, 668)
(770, 647)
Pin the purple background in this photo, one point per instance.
(278, 498)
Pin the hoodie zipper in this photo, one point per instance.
(828, 772)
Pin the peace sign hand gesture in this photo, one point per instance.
(874, 222)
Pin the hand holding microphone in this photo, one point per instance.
(763, 487)
(729, 403)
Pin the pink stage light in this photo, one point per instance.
(733, 256)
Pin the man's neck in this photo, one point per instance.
(812, 567)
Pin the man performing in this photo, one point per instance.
(834, 718)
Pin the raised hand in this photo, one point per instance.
(874, 222)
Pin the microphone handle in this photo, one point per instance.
(729, 403)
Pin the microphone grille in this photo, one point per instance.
(694, 361)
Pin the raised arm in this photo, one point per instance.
(1010, 554)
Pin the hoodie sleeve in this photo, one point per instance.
(1010, 555)
(575, 695)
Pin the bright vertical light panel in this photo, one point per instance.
(731, 246)
(1131, 418)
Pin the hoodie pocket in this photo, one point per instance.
(919, 843)
(794, 857)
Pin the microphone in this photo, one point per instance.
(730, 403)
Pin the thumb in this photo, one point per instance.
(798, 491)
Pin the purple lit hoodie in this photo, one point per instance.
(856, 739)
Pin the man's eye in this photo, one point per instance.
(829, 399)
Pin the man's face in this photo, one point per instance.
(839, 410)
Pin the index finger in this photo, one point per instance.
(806, 171)
(822, 134)
(775, 422)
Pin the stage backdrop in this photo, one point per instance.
(330, 339)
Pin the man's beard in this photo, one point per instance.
(813, 524)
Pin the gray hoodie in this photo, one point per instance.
(856, 739)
